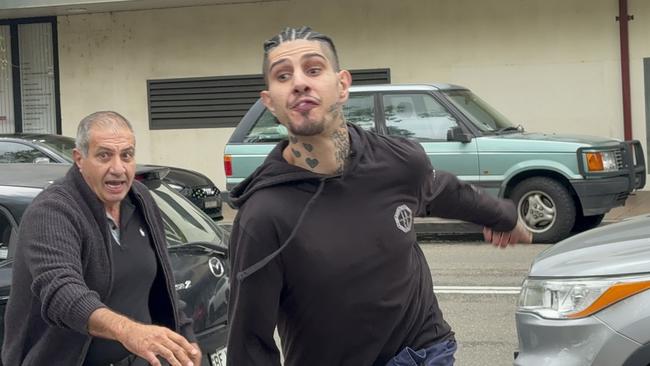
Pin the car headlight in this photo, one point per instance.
(577, 298)
(601, 161)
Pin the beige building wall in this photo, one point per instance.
(551, 65)
(639, 49)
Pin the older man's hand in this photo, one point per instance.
(150, 341)
(519, 234)
(197, 357)
(146, 341)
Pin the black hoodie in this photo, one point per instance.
(333, 260)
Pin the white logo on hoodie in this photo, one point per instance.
(403, 218)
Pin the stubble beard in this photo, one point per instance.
(312, 127)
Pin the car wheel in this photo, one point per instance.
(584, 223)
(546, 208)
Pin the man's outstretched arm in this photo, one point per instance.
(444, 195)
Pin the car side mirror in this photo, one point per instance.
(456, 133)
(41, 160)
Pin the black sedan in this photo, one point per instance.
(46, 148)
(197, 247)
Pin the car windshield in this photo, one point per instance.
(481, 114)
(61, 144)
(184, 222)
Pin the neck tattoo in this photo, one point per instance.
(340, 140)
(342, 147)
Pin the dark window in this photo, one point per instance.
(11, 152)
(182, 220)
(218, 101)
(29, 76)
(417, 116)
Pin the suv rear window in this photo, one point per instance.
(360, 110)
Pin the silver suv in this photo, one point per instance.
(586, 300)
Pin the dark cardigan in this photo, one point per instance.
(62, 272)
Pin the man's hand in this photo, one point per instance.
(145, 341)
(519, 234)
(197, 358)
(151, 341)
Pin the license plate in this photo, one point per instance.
(210, 203)
(218, 358)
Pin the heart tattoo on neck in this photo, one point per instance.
(312, 162)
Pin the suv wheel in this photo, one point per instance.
(546, 208)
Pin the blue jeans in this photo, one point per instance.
(438, 354)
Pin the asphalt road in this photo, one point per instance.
(477, 288)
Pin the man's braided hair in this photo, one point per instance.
(292, 34)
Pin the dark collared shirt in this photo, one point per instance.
(134, 269)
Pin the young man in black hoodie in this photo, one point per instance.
(323, 244)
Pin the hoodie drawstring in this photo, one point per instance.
(257, 266)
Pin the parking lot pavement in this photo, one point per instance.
(477, 287)
(637, 204)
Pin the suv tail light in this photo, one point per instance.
(227, 165)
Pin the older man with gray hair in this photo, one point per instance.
(91, 271)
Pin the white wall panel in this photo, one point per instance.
(37, 78)
(6, 90)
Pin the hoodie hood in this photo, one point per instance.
(276, 170)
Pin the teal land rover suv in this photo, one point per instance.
(559, 183)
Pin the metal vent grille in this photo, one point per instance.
(370, 76)
(218, 101)
(201, 102)
(620, 163)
